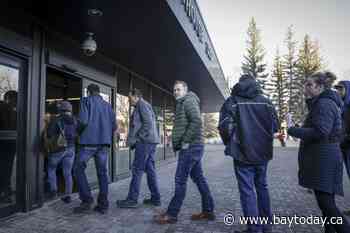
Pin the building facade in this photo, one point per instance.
(146, 45)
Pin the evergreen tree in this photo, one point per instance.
(309, 61)
(290, 69)
(210, 123)
(279, 88)
(254, 58)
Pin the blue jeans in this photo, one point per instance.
(144, 162)
(189, 164)
(250, 177)
(65, 157)
(100, 155)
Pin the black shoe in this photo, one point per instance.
(126, 203)
(101, 210)
(151, 202)
(84, 207)
(310, 191)
(66, 199)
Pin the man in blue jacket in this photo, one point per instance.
(143, 137)
(248, 122)
(99, 120)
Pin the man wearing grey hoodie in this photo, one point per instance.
(187, 138)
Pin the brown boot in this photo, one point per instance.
(164, 219)
(204, 216)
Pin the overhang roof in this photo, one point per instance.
(144, 36)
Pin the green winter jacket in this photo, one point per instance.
(188, 122)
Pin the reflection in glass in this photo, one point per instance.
(169, 124)
(8, 133)
(160, 127)
(169, 115)
(123, 120)
(159, 121)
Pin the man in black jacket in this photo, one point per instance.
(248, 122)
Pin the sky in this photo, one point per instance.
(327, 21)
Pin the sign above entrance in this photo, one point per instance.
(194, 17)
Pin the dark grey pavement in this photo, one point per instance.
(288, 199)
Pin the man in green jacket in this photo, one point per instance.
(187, 138)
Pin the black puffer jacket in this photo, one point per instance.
(320, 160)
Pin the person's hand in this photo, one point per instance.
(185, 146)
(277, 135)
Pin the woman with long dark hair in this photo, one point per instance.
(320, 160)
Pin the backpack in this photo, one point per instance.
(55, 143)
(228, 123)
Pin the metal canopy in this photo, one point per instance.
(144, 36)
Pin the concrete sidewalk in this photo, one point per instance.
(288, 199)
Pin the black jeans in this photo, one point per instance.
(326, 202)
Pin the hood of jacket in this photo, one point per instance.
(346, 99)
(247, 88)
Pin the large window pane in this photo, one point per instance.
(158, 103)
(123, 115)
(8, 133)
(169, 115)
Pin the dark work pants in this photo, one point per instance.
(100, 154)
(326, 202)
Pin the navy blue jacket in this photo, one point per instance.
(346, 115)
(99, 120)
(320, 162)
(254, 121)
(143, 126)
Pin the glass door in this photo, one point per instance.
(106, 93)
(123, 160)
(12, 71)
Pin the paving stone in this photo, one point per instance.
(287, 198)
